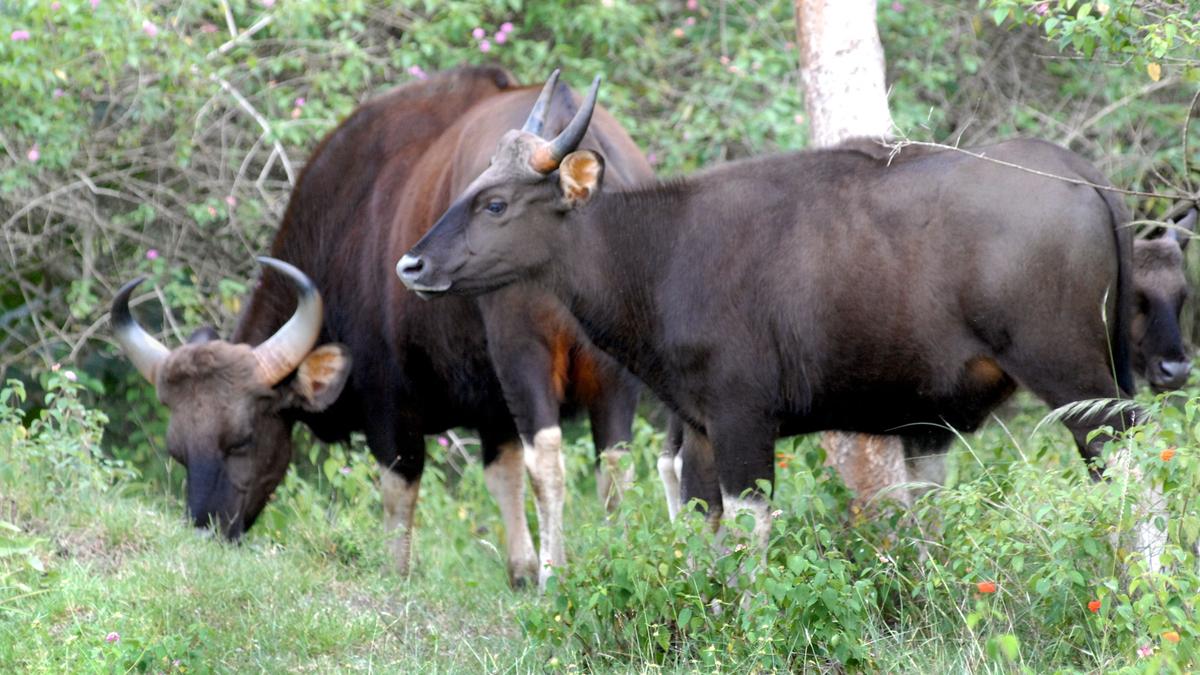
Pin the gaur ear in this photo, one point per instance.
(579, 176)
(202, 335)
(321, 376)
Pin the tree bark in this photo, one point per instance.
(841, 70)
(842, 73)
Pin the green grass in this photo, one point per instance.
(88, 549)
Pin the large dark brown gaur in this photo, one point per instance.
(871, 465)
(815, 290)
(507, 365)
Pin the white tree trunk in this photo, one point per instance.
(841, 70)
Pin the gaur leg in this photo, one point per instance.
(522, 345)
(401, 457)
(743, 444)
(696, 469)
(670, 464)
(504, 474)
(611, 409)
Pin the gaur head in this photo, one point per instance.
(230, 403)
(502, 227)
(1160, 288)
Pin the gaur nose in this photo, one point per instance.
(410, 267)
(1175, 370)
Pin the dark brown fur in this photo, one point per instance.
(827, 289)
(370, 190)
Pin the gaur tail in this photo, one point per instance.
(1121, 340)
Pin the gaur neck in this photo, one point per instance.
(616, 254)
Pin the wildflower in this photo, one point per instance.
(1167, 454)
(34, 153)
(295, 113)
(693, 5)
(986, 587)
(267, 3)
(506, 27)
(443, 441)
(55, 5)
(678, 32)
(1041, 8)
(70, 376)
(208, 28)
(345, 471)
(798, 119)
(478, 33)
(57, 93)
(776, 513)
(20, 35)
(1145, 651)
(1171, 636)
(897, 7)
(212, 211)
(690, 21)
(740, 547)
(112, 637)
(301, 101)
(95, 4)
(152, 254)
(416, 72)
(500, 38)
(652, 158)
(230, 201)
(724, 60)
(149, 28)
(1093, 606)
(485, 46)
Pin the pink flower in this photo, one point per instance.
(1041, 8)
(34, 153)
(798, 119)
(1145, 651)
(212, 211)
(152, 254)
(897, 6)
(208, 28)
(20, 35)
(478, 33)
(55, 5)
(652, 159)
(506, 27)
(678, 32)
(70, 375)
(416, 72)
(693, 5)
(267, 3)
(295, 113)
(345, 471)
(95, 4)
(230, 201)
(149, 28)
(724, 60)
(300, 102)
(501, 38)
(112, 637)
(485, 46)
(690, 21)
(57, 93)
(443, 441)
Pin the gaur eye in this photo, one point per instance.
(496, 207)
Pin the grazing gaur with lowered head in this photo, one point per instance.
(814, 290)
(507, 365)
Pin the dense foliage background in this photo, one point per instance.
(163, 138)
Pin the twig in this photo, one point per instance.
(263, 123)
(1187, 122)
(1116, 105)
(1077, 181)
(238, 38)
